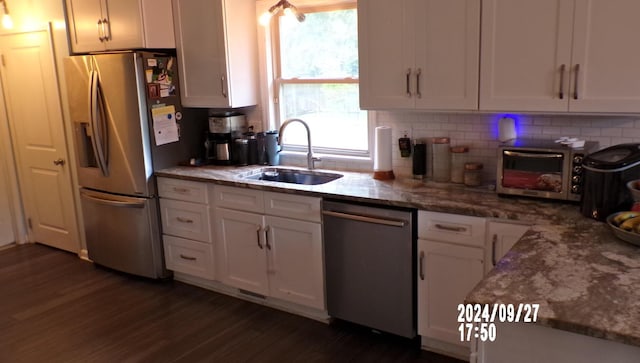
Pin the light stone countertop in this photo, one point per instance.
(585, 279)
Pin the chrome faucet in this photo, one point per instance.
(310, 158)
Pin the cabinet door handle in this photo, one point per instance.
(100, 30)
(106, 29)
(266, 237)
(450, 228)
(408, 80)
(184, 220)
(418, 74)
(422, 265)
(189, 258)
(575, 85)
(180, 190)
(561, 93)
(223, 86)
(494, 242)
(259, 228)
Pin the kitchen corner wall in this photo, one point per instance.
(480, 132)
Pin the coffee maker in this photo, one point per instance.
(223, 129)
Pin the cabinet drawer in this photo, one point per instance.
(185, 219)
(239, 198)
(186, 190)
(292, 206)
(189, 257)
(451, 228)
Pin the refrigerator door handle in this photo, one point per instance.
(113, 201)
(98, 125)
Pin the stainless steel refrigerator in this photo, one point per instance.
(126, 116)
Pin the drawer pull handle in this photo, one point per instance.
(450, 228)
(494, 242)
(184, 220)
(561, 93)
(180, 190)
(189, 258)
(259, 228)
(266, 237)
(408, 81)
(575, 85)
(422, 265)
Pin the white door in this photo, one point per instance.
(526, 55)
(502, 236)
(33, 107)
(84, 27)
(447, 53)
(295, 261)
(200, 43)
(6, 221)
(386, 54)
(125, 24)
(447, 273)
(607, 57)
(241, 254)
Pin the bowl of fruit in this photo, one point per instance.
(634, 189)
(626, 226)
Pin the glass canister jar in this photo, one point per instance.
(458, 159)
(441, 159)
(473, 174)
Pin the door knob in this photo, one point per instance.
(59, 162)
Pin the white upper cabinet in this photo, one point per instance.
(420, 54)
(217, 48)
(560, 55)
(101, 25)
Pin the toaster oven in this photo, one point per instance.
(541, 168)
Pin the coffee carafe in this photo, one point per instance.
(223, 130)
(272, 148)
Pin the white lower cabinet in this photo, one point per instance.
(186, 228)
(501, 236)
(450, 263)
(454, 253)
(270, 255)
(447, 273)
(190, 257)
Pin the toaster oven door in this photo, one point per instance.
(533, 173)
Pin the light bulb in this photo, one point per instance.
(288, 11)
(265, 18)
(7, 23)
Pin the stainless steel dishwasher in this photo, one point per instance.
(370, 265)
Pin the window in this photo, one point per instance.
(316, 80)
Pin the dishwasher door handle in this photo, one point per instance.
(366, 219)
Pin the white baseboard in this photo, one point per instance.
(310, 313)
(448, 349)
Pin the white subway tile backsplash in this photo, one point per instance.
(479, 132)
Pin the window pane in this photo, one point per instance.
(325, 45)
(332, 112)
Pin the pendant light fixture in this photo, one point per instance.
(7, 23)
(283, 5)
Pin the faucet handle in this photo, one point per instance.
(313, 161)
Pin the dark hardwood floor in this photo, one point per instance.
(55, 307)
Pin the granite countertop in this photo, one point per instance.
(585, 279)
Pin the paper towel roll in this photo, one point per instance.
(382, 153)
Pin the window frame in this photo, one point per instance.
(277, 82)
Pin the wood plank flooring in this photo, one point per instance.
(55, 307)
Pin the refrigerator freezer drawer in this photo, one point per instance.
(123, 233)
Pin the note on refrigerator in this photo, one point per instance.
(165, 128)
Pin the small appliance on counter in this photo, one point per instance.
(541, 169)
(219, 139)
(606, 174)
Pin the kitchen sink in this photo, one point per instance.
(293, 176)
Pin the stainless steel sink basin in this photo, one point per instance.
(293, 176)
